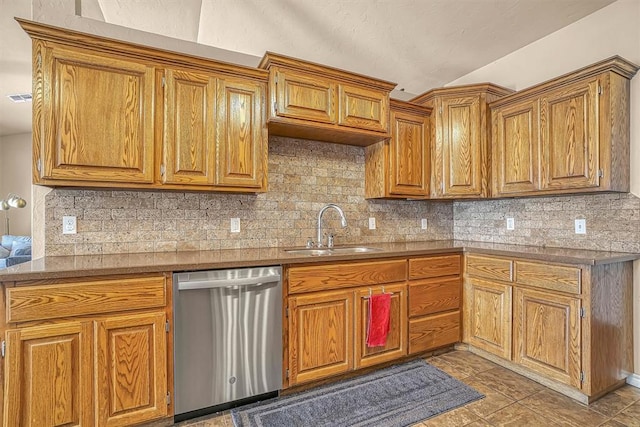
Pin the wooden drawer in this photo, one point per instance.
(430, 332)
(549, 276)
(332, 276)
(489, 267)
(434, 295)
(436, 266)
(41, 302)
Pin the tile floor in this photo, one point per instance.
(511, 400)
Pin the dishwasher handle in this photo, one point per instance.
(227, 283)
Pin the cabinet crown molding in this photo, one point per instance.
(463, 90)
(271, 59)
(615, 64)
(50, 33)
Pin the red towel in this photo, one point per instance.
(379, 316)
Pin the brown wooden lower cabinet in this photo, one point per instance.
(131, 369)
(396, 346)
(320, 335)
(49, 375)
(77, 368)
(568, 326)
(547, 334)
(487, 316)
(430, 332)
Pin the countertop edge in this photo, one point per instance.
(73, 267)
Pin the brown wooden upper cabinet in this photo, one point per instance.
(567, 135)
(114, 114)
(400, 166)
(460, 139)
(94, 116)
(313, 101)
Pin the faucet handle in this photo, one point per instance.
(309, 242)
(330, 241)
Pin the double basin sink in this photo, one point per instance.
(332, 251)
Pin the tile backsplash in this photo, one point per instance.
(303, 177)
(612, 220)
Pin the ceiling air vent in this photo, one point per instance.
(20, 97)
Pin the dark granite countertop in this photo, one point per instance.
(56, 267)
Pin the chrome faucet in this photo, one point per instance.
(343, 222)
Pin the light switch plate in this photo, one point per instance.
(69, 225)
(235, 225)
(423, 223)
(511, 224)
(581, 226)
(372, 223)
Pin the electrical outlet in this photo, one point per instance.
(69, 225)
(581, 226)
(511, 224)
(372, 223)
(235, 225)
(423, 223)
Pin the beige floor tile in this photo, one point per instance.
(629, 417)
(461, 364)
(616, 401)
(480, 423)
(509, 383)
(612, 423)
(562, 410)
(517, 415)
(492, 402)
(457, 417)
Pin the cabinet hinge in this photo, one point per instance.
(168, 398)
(164, 81)
(599, 90)
(39, 166)
(440, 109)
(583, 312)
(286, 312)
(3, 347)
(287, 374)
(166, 326)
(600, 173)
(275, 107)
(162, 170)
(581, 376)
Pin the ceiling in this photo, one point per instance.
(419, 44)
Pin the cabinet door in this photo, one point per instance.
(487, 316)
(461, 147)
(396, 345)
(189, 128)
(546, 334)
(303, 97)
(320, 335)
(570, 137)
(408, 155)
(131, 369)
(49, 376)
(241, 141)
(516, 144)
(97, 118)
(363, 108)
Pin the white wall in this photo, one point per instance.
(15, 177)
(613, 30)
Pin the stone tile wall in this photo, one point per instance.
(613, 221)
(303, 176)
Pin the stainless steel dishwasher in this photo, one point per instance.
(227, 338)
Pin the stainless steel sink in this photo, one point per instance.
(332, 251)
